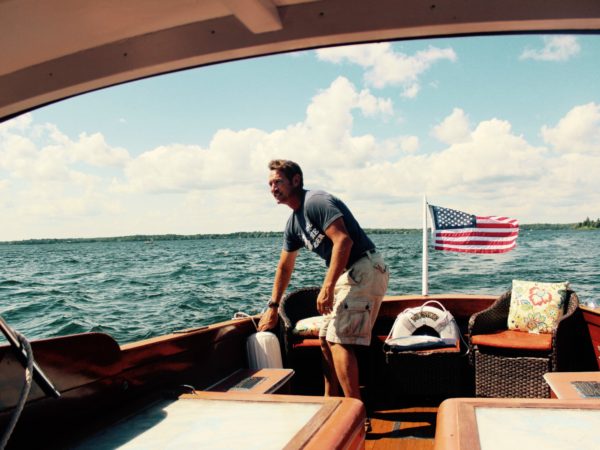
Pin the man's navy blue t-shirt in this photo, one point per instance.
(306, 227)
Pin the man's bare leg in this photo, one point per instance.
(332, 385)
(346, 368)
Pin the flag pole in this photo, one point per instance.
(425, 272)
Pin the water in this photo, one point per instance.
(134, 290)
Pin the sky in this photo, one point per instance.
(504, 125)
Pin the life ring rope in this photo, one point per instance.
(437, 318)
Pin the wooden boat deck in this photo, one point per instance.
(402, 393)
(410, 427)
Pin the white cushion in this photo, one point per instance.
(308, 327)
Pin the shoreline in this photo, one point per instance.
(148, 238)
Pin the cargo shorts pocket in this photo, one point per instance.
(354, 318)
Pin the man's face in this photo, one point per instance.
(282, 189)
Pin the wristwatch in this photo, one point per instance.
(272, 304)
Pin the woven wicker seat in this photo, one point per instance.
(295, 306)
(517, 369)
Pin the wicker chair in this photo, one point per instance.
(512, 363)
(295, 306)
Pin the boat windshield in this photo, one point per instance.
(144, 208)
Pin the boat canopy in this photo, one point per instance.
(58, 49)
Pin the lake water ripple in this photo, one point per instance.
(134, 290)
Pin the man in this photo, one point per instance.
(356, 278)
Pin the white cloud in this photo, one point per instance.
(58, 175)
(339, 99)
(411, 90)
(237, 158)
(409, 144)
(42, 152)
(19, 123)
(454, 128)
(372, 106)
(577, 132)
(556, 48)
(53, 190)
(180, 168)
(491, 156)
(384, 67)
(494, 171)
(51, 178)
(90, 149)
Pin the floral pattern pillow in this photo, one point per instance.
(536, 307)
(308, 327)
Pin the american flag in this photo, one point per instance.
(457, 231)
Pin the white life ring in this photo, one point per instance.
(410, 320)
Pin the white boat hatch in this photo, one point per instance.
(206, 423)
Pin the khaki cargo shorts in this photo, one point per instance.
(358, 295)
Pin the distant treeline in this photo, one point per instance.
(548, 226)
(586, 224)
(147, 238)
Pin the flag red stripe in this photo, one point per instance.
(473, 242)
(496, 225)
(477, 250)
(476, 233)
(498, 218)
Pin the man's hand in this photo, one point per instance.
(268, 320)
(325, 301)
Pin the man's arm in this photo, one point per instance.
(285, 267)
(342, 244)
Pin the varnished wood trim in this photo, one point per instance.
(315, 423)
(457, 422)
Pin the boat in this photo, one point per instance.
(181, 388)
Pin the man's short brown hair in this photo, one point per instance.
(289, 169)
